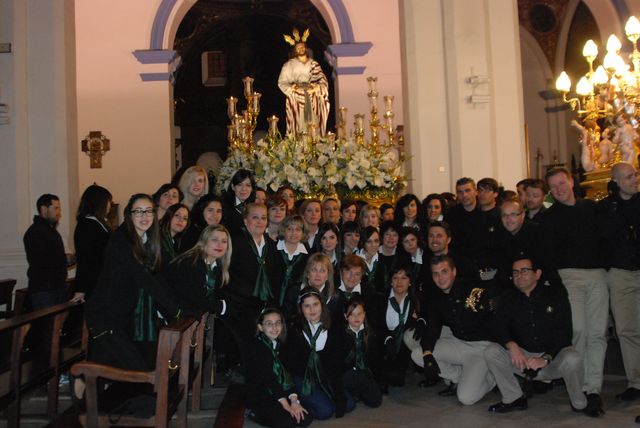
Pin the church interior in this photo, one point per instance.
(126, 94)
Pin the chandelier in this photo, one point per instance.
(607, 102)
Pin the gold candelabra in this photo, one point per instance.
(240, 131)
(608, 99)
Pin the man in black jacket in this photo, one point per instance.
(619, 216)
(43, 245)
(575, 249)
(533, 332)
(464, 308)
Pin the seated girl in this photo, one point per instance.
(314, 354)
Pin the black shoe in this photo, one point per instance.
(540, 387)
(519, 404)
(589, 411)
(451, 390)
(638, 419)
(594, 406)
(629, 394)
(428, 383)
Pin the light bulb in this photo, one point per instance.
(590, 50)
(613, 44)
(563, 83)
(584, 87)
(600, 77)
(632, 28)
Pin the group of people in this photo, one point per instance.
(320, 304)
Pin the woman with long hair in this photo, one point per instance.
(122, 313)
(271, 394)
(90, 238)
(206, 212)
(172, 227)
(362, 343)
(198, 276)
(408, 212)
(194, 184)
(240, 192)
(166, 195)
(310, 210)
(314, 354)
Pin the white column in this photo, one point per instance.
(449, 136)
(37, 154)
(425, 96)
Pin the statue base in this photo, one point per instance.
(595, 184)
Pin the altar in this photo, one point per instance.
(349, 163)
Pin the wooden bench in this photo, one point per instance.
(18, 377)
(6, 297)
(176, 342)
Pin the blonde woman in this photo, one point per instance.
(198, 276)
(194, 184)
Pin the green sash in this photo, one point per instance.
(313, 372)
(399, 330)
(283, 377)
(356, 355)
(262, 289)
(212, 277)
(290, 264)
(144, 319)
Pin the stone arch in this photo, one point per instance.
(171, 12)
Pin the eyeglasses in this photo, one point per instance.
(140, 212)
(523, 271)
(511, 215)
(271, 324)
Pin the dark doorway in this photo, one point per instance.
(248, 36)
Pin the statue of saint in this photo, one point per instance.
(305, 86)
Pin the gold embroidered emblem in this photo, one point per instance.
(474, 299)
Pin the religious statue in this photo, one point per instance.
(607, 154)
(625, 137)
(587, 133)
(306, 88)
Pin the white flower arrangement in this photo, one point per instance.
(325, 167)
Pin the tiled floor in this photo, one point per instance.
(411, 407)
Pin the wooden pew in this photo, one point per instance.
(199, 345)
(22, 377)
(175, 344)
(6, 297)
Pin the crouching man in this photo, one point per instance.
(533, 331)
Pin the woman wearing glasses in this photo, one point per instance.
(271, 394)
(122, 313)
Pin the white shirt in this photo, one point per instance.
(361, 253)
(224, 304)
(300, 249)
(417, 258)
(356, 289)
(359, 329)
(261, 245)
(392, 317)
(322, 338)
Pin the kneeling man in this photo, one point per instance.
(533, 331)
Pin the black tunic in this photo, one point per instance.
(90, 238)
(538, 323)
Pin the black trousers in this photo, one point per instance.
(363, 387)
(270, 413)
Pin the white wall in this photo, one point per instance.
(112, 98)
(37, 148)
(381, 28)
(460, 39)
